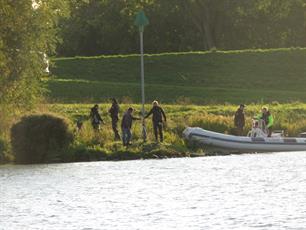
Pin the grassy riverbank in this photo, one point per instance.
(215, 81)
(89, 145)
(248, 76)
(219, 118)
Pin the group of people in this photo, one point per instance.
(265, 115)
(158, 120)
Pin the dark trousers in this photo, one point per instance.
(158, 129)
(115, 128)
(239, 130)
(126, 136)
(95, 125)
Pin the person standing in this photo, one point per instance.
(126, 125)
(239, 120)
(157, 119)
(268, 119)
(95, 117)
(114, 112)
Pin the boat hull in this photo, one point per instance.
(243, 144)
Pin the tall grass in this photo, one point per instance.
(100, 145)
(8, 116)
(219, 118)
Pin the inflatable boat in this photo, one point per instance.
(243, 144)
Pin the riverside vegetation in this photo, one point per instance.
(90, 146)
(218, 79)
(30, 30)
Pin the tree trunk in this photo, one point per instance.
(207, 23)
(202, 19)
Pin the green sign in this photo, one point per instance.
(141, 20)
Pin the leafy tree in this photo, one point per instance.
(106, 26)
(27, 32)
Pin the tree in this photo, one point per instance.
(27, 32)
(106, 26)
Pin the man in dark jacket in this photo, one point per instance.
(157, 119)
(239, 120)
(126, 125)
(95, 117)
(114, 111)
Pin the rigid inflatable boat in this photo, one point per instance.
(256, 141)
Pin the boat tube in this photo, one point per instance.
(243, 144)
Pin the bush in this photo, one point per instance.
(40, 139)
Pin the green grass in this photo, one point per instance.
(289, 117)
(91, 146)
(196, 89)
(100, 146)
(201, 77)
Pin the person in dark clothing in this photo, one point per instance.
(157, 119)
(79, 124)
(239, 120)
(114, 111)
(126, 125)
(95, 117)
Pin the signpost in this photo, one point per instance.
(141, 21)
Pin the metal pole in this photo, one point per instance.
(144, 133)
(142, 73)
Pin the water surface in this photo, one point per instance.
(261, 191)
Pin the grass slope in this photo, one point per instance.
(202, 77)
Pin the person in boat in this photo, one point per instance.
(126, 125)
(95, 117)
(157, 119)
(239, 120)
(114, 112)
(267, 117)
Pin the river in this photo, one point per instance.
(259, 191)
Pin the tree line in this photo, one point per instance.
(29, 29)
(107, 26)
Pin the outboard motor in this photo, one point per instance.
(258, 129)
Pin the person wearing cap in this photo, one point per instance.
(267, 117)
(95, 117)
(126, 125)
(157, 119)
(114, 112)
(239, 120)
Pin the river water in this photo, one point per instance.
(260, 191)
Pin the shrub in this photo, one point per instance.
(40, 138)
(5, 155)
